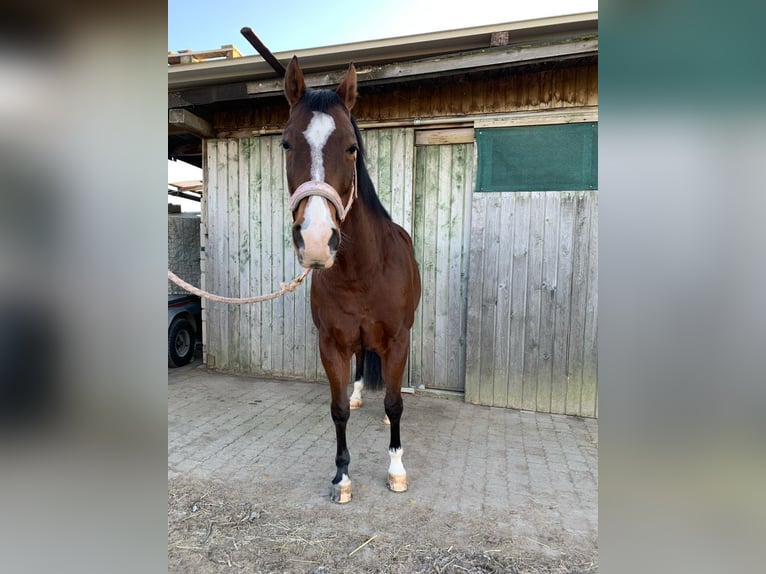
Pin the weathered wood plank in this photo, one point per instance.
(401, 155)
(401, 171)
(428, 266)
(384, 168)
(371, 144)
(534, 301)
(456, 271)
(520, 253)
(255, 185)
(590, 343)
(445, 136)
(408, 181)
(491, 253)
(547, 303)
(563, 303)
(592, 85)
(223, 251)
(541, 117)
(203, 250)
(233, 252)
(467, 198)
(441, 244)
(268, 315)
(418, 233)
(582, 83)
(473, 352)
(277, 247)
(208, 275)
(289, 266)
(187, 122)
(245, 253)
(578, 303)
(500, 355)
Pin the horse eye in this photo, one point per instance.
(285, 146)
(352, 149)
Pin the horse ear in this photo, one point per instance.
(295, 85)
(347, 88)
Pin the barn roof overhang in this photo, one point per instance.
(200, 87)
(552, 36)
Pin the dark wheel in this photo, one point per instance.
(180, 343)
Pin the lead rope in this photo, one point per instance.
(285, 287)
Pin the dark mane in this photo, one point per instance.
(322, 101)
(365, 188)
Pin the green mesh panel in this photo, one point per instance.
(561, 157)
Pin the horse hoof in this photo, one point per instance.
(355, 404)
(341, 492)
(397, 482)
(386, 420)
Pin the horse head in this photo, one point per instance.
(321, 148)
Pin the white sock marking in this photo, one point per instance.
(317, 133)
(396, 467)
(358, 386)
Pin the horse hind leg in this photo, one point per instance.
(393, 370)
(397, 476)
(355, 401)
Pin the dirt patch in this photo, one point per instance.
(233, 527)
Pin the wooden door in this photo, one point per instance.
(444, 179)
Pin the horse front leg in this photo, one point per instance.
(393, 370)
(337, 369)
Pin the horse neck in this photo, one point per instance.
(364, 241)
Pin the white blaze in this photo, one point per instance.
(317, 225)
(316, 210)
(317, 133)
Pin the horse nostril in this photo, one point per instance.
(297, 237)
(334, 240)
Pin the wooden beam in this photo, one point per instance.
(542, 117)
(227, 51)
(265, 53)
(444, 136)
(190, 123)
(500, 56)
(190, 185)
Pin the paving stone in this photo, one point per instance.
(459, 456)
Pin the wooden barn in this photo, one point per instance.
(482, 143)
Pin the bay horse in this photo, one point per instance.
(366, 284)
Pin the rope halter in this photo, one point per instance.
(328, 192)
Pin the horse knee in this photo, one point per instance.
(394, 406)
(340, 412)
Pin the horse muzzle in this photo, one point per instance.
(316, 238)
(316, 242)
